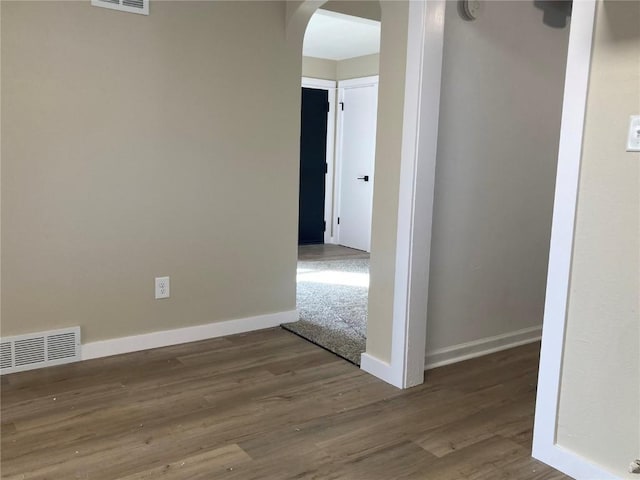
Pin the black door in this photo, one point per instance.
(313, 157)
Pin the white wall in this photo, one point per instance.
(500, 112)
(599, 411)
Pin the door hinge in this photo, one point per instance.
(342, 106)
(324, 226)
(338, 220)
(326, 167)
(328, 107)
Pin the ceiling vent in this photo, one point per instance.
(37, 350)
(131, 6)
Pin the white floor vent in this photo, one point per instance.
(131, 6)
(37, 350)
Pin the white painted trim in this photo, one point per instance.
(379, 368)
(425, 46)
(574, 465)
(479, 348)
(545, 447)
(329, 213)
(337, 184)
(176, 336)
(319, 83)
(359, 82)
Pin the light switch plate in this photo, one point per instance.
(633, 140)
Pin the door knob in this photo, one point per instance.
(365, 178)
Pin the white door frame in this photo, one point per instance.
(342, 84)
(545, 446)
(330, 87)
(425, 44)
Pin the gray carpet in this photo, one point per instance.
(332, 300)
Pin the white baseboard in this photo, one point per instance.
(478, 348)
(381, 369)
(571, 463)
(165, 338)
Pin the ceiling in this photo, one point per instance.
(336, 36)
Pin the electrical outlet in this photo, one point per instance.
(633, 139)
(162, 287)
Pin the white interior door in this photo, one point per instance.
(356, 153)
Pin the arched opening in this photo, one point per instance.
(411, 36)
(340, 67)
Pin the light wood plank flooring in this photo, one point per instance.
(268, 405)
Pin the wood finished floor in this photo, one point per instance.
(268, 405)
(329, 251)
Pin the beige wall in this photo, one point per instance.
(500, 110)
(393, 54)
(599, 411)
(137, 146)
(319, 68)
(358, 8)
(357, 67)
